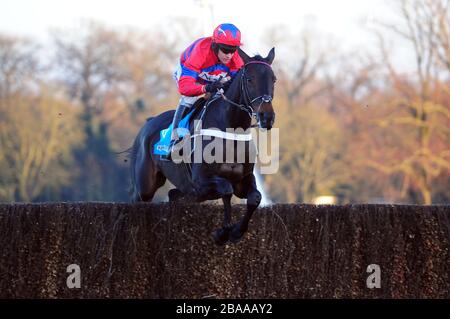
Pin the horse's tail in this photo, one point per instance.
(150, 127)
(131, 156)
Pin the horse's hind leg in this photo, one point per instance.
(147, 188)
(245, 189)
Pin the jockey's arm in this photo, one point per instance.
(188, 86)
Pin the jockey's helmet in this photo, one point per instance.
(227, 34)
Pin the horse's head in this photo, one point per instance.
(258, 82)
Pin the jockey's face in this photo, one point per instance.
(225, 57)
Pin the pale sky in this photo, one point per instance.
(345, 20)
(341, 18)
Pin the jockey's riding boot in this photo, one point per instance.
(174, 136)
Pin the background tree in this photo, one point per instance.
(352, 124)
(89, 66)
(311, 140)
(416, 113)
(37, 129)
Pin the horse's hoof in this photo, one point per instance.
(175, 195)
(234, 239)
(220, 236)
(236, 235)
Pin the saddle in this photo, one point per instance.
(162, 147)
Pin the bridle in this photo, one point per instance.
(266, 98)
(247, 107)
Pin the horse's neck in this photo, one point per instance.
(225, 115)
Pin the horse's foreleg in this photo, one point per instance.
(246, 189)
(221, 235)
(215, 187)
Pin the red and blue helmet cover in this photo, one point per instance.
(227, 33)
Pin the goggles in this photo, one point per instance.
(227, 49)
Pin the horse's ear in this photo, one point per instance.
(244, 56)
(270, 56)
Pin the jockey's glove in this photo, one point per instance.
(213, 87)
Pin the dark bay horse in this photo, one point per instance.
(249, 94)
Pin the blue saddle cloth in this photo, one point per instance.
(162, 146)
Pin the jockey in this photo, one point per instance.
(204, 67)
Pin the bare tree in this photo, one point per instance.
(18, 65)
(437, 15)
(311, 139)
(88, 63)
(37, 129)
(299, 73)
(418, 112)
(37, 141)
(311, 147)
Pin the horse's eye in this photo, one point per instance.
(249, 80)
(274, 80)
